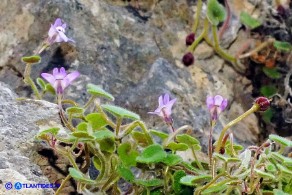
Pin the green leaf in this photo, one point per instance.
(160, 134)
(225, 159)
(74, 110)
(176, 186)
(215, 12)
(197, 147)
(191, 180)
(280, 140)
(106, 140)
(177, 146)
(140, 138)
(236, 148)
(265, 175)
(152, 154)
(127, 154)
(172, 159)
(82, 126)
(187, 139)
(41, 83)
(272, 73)
(215, 189)
(149, 182)
(82, 134)
(31, 59)
(120, 112)
(249, 21)
(126, 173)
(96, 120)
(279, 192)
(97, 91)
(77, 175)
(282, 46)
(54, 131)
(268, 90)
(97, 163)
(50, 89)
(284, 170)
(245, 158)
(271, 167)
(267, 115)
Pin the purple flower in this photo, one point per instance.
(216, 105)
(57, 32)
(164, 108)
(60, 79)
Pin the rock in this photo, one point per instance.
(203, 51)
(18, 126)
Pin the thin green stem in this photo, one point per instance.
(198, 13)
(218, 49)
(253, 109)
(171, 137)
(63, 184)
(118, 126)
(91, 99)
(104, 116)
(67, 101)
(29, 81)
(196, 159)
(199, 190)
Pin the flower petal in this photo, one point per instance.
(70, 77)
(62, 37)
(48, 77)
(210, 102)
(58, 22)
(55, 72)
(160, 101)
(168, 107)
(166, 99)
(52, 31)
(64, 25)
(223, 104)
(218, 99)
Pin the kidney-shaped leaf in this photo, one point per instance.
(215, 12)
(79, 176)
(96, 120)
(97, 91)
(152, 154)
(120, 112)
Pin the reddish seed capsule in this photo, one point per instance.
(282, 11)
(188, 59)
(190, 39)
(263, 102)
(222, 150)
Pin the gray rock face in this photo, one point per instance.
(135, 57)
(19, 123)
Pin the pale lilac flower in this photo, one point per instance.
(60, 79)
(216, 105)
(164, 108)
(57, 32)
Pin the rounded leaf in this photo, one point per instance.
(120, 112)
(282, 46)
(77, 175)
(152, 154)
(187, 139)
(177, 146)
(96, 120)
(97, 91)
(172, 159)
(280, 140)
(249, 21)
(215, 12)
(31, 59)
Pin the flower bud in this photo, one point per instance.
(190, 38)
(263, 102)
(188, 59)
